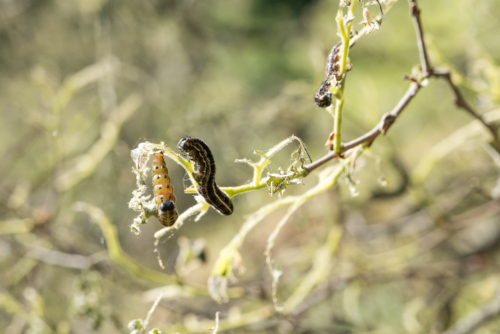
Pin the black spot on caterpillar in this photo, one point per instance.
(164, 192)
(323, 97)
(199, 152)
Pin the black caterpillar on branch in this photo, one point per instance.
(323, 97)
(199, 152)
(164, 192)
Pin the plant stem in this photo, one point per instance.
(338, 122)
(345, 32)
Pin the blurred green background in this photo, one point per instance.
(83, 82)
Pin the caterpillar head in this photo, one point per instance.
(167, 206)
(184, 144)
(324, 100)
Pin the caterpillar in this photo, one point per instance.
(323, 97)
(199, 152)
(164, 192)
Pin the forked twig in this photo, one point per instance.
(381, 128)
(428, 71)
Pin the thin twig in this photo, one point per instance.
(424, 58)
(478, 317)
(366, 29)
(153, 308)
(461, 103)
(216, 327)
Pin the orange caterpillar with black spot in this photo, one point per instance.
(164, 192)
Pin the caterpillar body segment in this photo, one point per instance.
(164, 192)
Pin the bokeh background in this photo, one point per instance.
(83, 82)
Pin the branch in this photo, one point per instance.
(477, 317)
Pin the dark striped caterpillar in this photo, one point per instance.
(323, 97)
(164, 192)
(199, 152)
